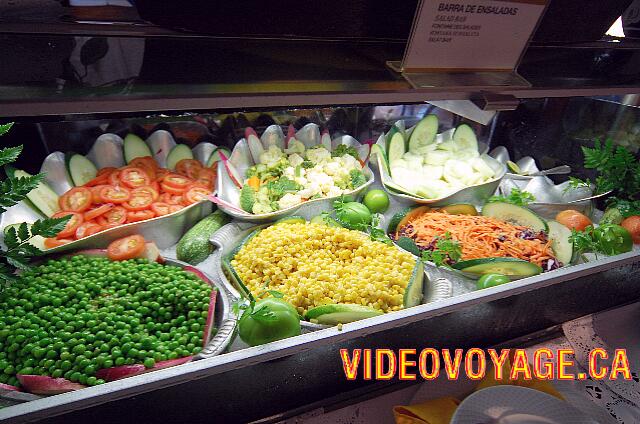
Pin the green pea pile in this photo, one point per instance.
(72, 317)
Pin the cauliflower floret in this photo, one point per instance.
(335, 191)
(271, 156)
(261, 208)
(289, 172)
(295, 146)
(311, 189)
(324, 181)
(289, 199)
(333, 168)
(301, 180)
(349, 162)
(295, 159)
(318, 155)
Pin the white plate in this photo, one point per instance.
(516, 405)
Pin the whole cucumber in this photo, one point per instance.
(194, 246)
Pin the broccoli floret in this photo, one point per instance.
(307, 164)
(343, 149)
(252, 172)
(282, 186)
(357, 178)
(247, 198)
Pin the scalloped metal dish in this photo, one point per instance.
(241, 158)
(476, 194)
(229, 237)
(107, 151)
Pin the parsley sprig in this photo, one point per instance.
(516, 197)
(18, 238)
(445, 251)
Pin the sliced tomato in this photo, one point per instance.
(134, 177)
(50, 243)
(135, 216)
(100, 179)
(97, 211)
(115, 194)
(161, 208)
(188, 167)
(115, 216)
(72, 224)
(194, 195)
(77, 199)
(207, 176)
(161, 173)
(147, 189)
(147, 163)
(172, 190)
(106, 171)
(114, 177)
(172, 199)
(86, 229)
(156, 186)
(95, 193)
(141, 198)
(126, 248)
(176, 181)
(175, 208)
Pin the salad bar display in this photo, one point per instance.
(306, 238)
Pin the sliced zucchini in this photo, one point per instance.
(414, 292)
(43, 198)
(135, 147)
(215, 156)
(423, 134)
(395, 145)
(382, 155)
(461, 209)
(402, 218)
(179, 152)
(511, 267)
(465, 138)
(561, 242)
(293, 219)
(516, 215)
(341, 313)
(408, 244)
(81, 169)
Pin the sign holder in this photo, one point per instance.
(469, 43)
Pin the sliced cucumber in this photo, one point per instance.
(81, 169)
(341, 313)
(376, 149)
(465, 138)
(215, 156)
(414, 292)
(43, 198)
(395, 145)
(511, 267)
(294, 219)
(179, 152)
(409, 245)
(561, 242)
(400, 219)
(460, 209)
(423, 134)
(516, 215)
(135, 147)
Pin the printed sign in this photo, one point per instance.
(470, 34)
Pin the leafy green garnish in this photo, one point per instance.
(376, 233)
(584, 241)
(357, 178)
(626, 207)
(516, 197)
(575, 183)
(445, 251)
(4, 128)
(618, 169)
(343, 149)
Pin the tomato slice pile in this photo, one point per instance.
(133, 193)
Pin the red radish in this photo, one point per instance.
(8, 387)
(43, 385)
(255, 145)
(212, 303)
(325, 140)
(116, 373)
(231, 171)
(291, 133)
(365, 150)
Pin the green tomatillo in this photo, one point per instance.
(268, 320)
(613, 239)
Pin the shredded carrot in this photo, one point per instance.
(479, 236)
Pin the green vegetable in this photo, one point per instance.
(341, 313)
(18, 239)
(343, 149)
(491, 280)
(626, 208)
(268, 320)
(376, 200)
(612, 239)
(194, 247)
(445, 252)
(612, 216)
(72, 317)
(516, 197)
(357, 178)
(282, 186)
(352, 215)
(511, 267)
(306, 164)
(247, 198)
